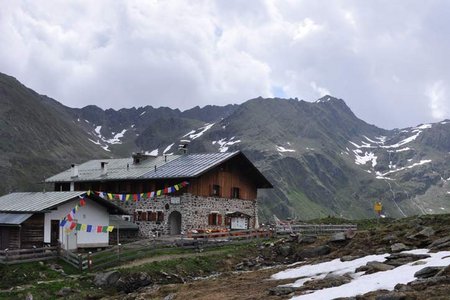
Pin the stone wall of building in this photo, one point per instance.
(194, 212)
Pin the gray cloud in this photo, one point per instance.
(387, 59)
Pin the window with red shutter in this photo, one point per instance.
(219, 219)
(160, 216)
(152, 216)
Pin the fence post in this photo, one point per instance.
(58, 249)
(6, 254)
(118, 251)
(80, 262)
(89, 258)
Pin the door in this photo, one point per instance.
(54, 232)
(175, 223)
(4, 238)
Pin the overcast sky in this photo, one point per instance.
(389, 60)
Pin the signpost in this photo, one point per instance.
(378, 207)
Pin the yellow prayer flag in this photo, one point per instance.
(83, 227)
(177, 187)
(110, 228)
(76, 207)
(127, 197)
(110, 196)
(88, 193)
(158, 193)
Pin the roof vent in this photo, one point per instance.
(183, 146)
(74, 169)
(104, 167)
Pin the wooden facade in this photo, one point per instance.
(26, 235)
(231, 179)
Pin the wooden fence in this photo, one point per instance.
(232, 235)
(28, 255)
(317, 229)
(119, 253)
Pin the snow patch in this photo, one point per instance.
(224, 144)
(363, 159)
(282, 149)
(152, 153)
(143, 113)
(361, 283)
(203, 129)
(168, 148)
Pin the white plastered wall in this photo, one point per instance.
(91, 214)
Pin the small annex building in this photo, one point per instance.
(171, 194)
(33, 220)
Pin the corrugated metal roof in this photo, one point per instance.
(187, 166)
(122, 168)
(13, 219)
(117, 221)
(34, 202)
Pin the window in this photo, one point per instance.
(215, 190)
(152, 216)
(140, 215)
(235, 192)
(214, 219)
(159, 216)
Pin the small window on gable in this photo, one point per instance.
(215, 190)
(235, 192)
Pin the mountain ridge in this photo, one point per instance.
(322, 159)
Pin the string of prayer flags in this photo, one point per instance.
(140, 196)
(69, 218)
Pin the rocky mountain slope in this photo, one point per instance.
(321, 158)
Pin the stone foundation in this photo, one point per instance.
(194, 212)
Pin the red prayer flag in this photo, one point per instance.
(99, 228)
(69, 217)
(135, 197)
(72, 225)
(82, 202)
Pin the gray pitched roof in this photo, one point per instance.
(187, 166)
(120, 223)
(13, 219)
(172, 166)
(33, 202)
(122, 168)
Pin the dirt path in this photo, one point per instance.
(142, 261)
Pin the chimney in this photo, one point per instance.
(74, 169)
(183, 146)
(104, 166)
(139, 157)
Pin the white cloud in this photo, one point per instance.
(320, 90)
(183, 53)
(437, 95)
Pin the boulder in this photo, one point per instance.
(338, 237)
(284, 250)
(282, 290)
(348, 258)
(106, 279)
(398, 259)
(393, 296)
(376, 266)
(314, 252)
(440, 243)
(398, 247)
(307, 239)
(428, 272)
(133, 281)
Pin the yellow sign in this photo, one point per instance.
(378, 207)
